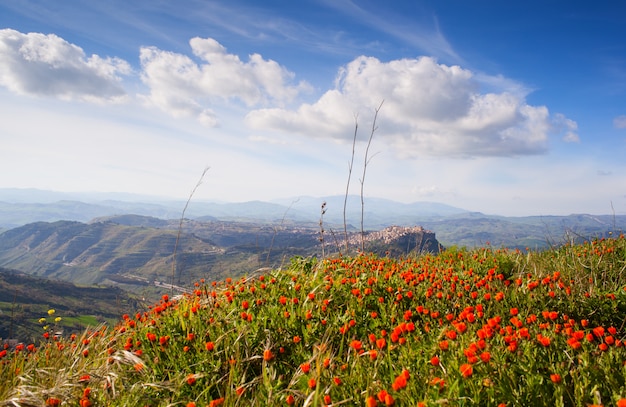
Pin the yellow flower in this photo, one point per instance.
(57, 319)
(42, 320)
(50, 312)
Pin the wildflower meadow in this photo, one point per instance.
(467, 327)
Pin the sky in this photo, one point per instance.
(507, 108)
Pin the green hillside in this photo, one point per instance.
(25, 299)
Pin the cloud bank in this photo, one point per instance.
(47, 65)
(429, 109)
(185, 88)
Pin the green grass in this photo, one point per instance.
(484, 327)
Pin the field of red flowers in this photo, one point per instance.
(484, 327)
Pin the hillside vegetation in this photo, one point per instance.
(24, 299)
(480, 327)
(138, 253)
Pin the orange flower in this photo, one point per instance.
(399, 383)
(216, 402)
(312, 383)
(466, 370)
(451, 335)
(370, 402)
(209, 346)
(268, 355)
(438, 381)
(306, 367)
(381, 395)
(555, 377)
(356, 345)
(598, 331)
(326, 362)
(434, 361)
(621, 403)
(485, 357)
(544, 340)
(290, 400)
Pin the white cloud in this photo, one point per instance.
(562, 124)
(429, 109)
(46, 65)
(182, 87)
(620, 122)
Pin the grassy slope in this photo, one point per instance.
(482, 327)
(24, 299)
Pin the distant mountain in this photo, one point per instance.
(253, 225)
(378, 213)
(14, 214)
(19, 207)
(533, 232)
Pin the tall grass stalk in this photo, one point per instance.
(180, 227)
(345, 200)
(366, 161)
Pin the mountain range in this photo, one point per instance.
(453, 226)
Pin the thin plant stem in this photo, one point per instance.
(322, 212)
(345, 201)
(282, 222)
(365, 162)
(180, 225)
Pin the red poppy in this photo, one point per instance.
(466, 370)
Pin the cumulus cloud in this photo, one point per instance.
(182, 87)
(46, 65)
(620, 122)
(562, 124)
(429, 109)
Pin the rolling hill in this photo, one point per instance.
(24, 299)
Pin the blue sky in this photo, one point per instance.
(499, 107)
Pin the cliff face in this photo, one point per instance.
(399, 241)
